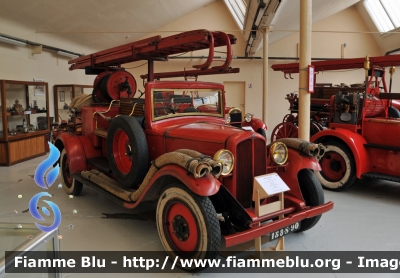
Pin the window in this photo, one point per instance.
(384, 13)
(238, 10)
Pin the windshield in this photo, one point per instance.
(181, 102)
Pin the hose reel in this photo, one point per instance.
(115, 85)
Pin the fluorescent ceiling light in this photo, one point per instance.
(11, 41)
(66, 54)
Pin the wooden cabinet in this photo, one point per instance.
(24, 120)
(63, 95)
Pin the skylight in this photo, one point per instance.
(238, 10)
(384, 13)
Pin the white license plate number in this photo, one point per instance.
(284, 231)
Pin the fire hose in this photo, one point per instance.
(195, 162)
(308, 148)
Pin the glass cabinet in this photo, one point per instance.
(63, 95)
(24, 120)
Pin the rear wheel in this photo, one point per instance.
(338, 167)
(187, 224)
(70, 185)
(313, 196)
(284, 130)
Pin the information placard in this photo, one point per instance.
(271, 184)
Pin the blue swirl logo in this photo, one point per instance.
(45, 182)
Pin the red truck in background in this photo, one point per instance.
(179, 146)
(359, 124)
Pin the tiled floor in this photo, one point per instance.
(364, 218)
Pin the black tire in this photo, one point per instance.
(313, 196)
(127, 151)
(70, 185)
(262, 132)
(394, 112)
(187, 225)
(338, 167)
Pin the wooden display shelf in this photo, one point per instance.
(22, 148)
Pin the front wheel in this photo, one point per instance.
(313, 196)
(338, 167)
(70, 185)
(187, 225)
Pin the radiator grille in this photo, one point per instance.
(260, 158)
(245, 159)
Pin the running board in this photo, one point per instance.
(100, 190)
(100, 163)
(372, 175)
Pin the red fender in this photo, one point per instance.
(296, 162)
(78, 148)
(204, 186)
(255, 124)
(353, 140)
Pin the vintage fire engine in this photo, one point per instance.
(362, 122)
(179, 146)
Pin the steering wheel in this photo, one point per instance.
(163, 107)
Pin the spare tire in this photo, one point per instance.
(394, 112)
(127, 151)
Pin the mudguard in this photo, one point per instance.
(204, 186)
(255, 124)
(78, 149)
(353, 140)
(296, 162)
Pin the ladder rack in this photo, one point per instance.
(157, 48)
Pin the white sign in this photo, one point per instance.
(311, 79)
(247, 128)
(271, 183)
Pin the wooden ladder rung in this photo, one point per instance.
(101, 132)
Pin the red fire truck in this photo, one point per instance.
(362, 122)
(178, 145)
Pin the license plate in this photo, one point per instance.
(284, 231)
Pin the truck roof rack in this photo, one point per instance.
(158, 49)
(341, 64)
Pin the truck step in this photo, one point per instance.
(100, 132)
(372, 175)
(383, 147)
(100, 190)
(100, 163)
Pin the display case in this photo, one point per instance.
(63, 95)
(22, 238)
(24, 120)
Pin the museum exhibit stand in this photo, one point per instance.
(24, 120)
(63, 95)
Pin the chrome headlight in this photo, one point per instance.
(227, 119)
(278, 153)
(225, 157)
(248, 117)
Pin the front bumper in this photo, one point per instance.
(270, 227)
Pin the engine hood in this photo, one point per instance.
(207, 132)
